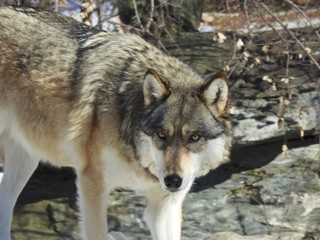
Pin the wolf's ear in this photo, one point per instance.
(214, 93)
(155, 89)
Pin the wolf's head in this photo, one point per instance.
(184, 128)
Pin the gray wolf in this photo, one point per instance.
(113, 107)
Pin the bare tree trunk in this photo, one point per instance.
(160, 18)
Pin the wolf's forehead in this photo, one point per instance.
(186, 117)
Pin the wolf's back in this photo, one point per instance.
(59, 53)
(31, 24)
(37, 47)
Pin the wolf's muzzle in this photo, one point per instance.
(173, 182)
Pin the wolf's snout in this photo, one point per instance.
(173, 182)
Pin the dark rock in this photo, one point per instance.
(280, 200)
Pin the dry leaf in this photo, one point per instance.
(285, 80)
(267, 79)
(256, 61)
(308, 50)
(219, 37)
(239, 44)
(246, 55)
(265, 48)
(285, 148)
(301, 132)
(280, 123)
(226, 67)
(281, 99)
(286, 102)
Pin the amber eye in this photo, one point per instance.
(161, 135)
(194, 138)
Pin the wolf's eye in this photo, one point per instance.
(194, 138)
(161, 135)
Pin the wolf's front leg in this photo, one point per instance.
(164, 213)
(93, 195)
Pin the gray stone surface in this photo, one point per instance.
(280, 200)
(235, 236)
(253, 124)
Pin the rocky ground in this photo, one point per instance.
(278, 200)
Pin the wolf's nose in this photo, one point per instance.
(173, 182)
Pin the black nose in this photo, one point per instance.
(173, 182)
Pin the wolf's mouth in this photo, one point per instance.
(173, 190)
